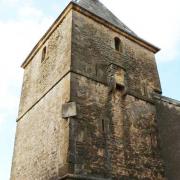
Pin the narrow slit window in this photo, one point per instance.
(117, 43)
(103, 126)
(43, 54)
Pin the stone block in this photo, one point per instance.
(69, 110)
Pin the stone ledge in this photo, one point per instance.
(82, 177)
(167, 100)
(40, 98)
(129, 92)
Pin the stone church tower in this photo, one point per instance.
(91, 105)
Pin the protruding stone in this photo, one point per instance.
(69, 110)
(116, 78)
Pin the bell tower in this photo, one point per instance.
(87, 108)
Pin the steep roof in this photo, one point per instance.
(97, 8)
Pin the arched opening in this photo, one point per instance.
(43, 54)
(117, 43)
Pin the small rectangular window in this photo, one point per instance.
(43, 54)
(117, 43)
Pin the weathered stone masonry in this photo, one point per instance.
(92, 110)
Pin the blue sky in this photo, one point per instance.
(23, 22)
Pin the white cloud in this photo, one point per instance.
(9, 1)
(157, 21)
(1, 119)
(13, 2)
(30, 12)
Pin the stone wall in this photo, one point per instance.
(42, 138)
(39, 76)
(139, 138)
(169, 127)
(113, 136)
(114, 133)
(93, 49)
(90, 156)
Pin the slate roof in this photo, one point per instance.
(97, 8)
